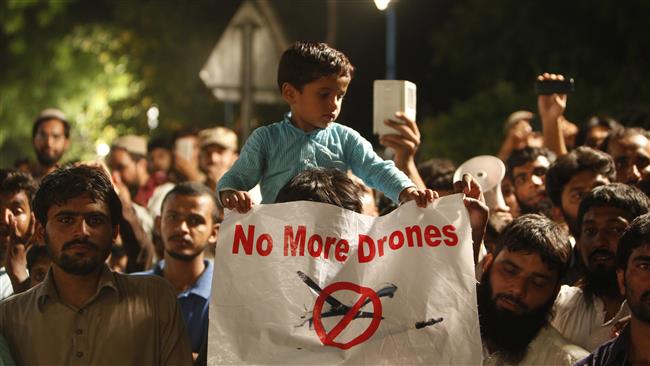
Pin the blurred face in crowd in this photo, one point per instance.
(508, 190)
(601, 228)
(38, 271)
(160, 159)
(186, 225)
(631, 155)
(530, 182)
(635, 283)
(79, 234)
(50, 142)
(515, 297)
(130, 171)
(15, 209)
(596, 136)
(575, 189)
(215, 160)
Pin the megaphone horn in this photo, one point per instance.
(488, 171)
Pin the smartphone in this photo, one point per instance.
(390, 96)
(545, 87)
(185, 148)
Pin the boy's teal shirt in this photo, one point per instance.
(276, 153)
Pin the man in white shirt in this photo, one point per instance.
(520, 281)
(586, 313)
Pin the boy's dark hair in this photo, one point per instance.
(634, 236)
(40, 121)
(323, 185)
(580, 159)
(13, 181)
(305, 62)
(438, 174)
(35, 253)
(618, 195)
(533, 233)
(73, 181)
(526, 155)
(193, 189)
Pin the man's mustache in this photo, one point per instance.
(87, 243)
(182, 238)
(512, 299)
(604, 252)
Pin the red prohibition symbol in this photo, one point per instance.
(366, 293)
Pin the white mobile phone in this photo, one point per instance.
(390, 96)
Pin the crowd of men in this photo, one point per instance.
(111, 262)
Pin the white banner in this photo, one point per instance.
(307, 283)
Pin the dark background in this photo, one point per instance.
(474, 62)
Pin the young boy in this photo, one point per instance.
(313, 79)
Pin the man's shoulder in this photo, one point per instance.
(20, 303)
(142, 284)
(569, 296)
(557, 349)
(605, 354)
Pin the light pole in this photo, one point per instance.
(391, 36)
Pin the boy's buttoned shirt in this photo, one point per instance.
(276, 153)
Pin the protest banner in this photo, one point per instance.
(308, 283)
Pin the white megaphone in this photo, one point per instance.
(488, 171)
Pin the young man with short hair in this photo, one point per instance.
(633, 275)
(630, 149)
(527, 168)
(573, 176)
(188, 224)
(83, 312)
(585, 313)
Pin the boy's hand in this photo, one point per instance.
(421, 196)
(236, 200)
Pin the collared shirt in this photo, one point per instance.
(194, 303)
(581, 322)
(548, 348)
(130, 320)
(611, 353)
(6, 289)
(276, 153)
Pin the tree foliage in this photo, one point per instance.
(487, 54)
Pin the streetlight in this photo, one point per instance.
(391, 39)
